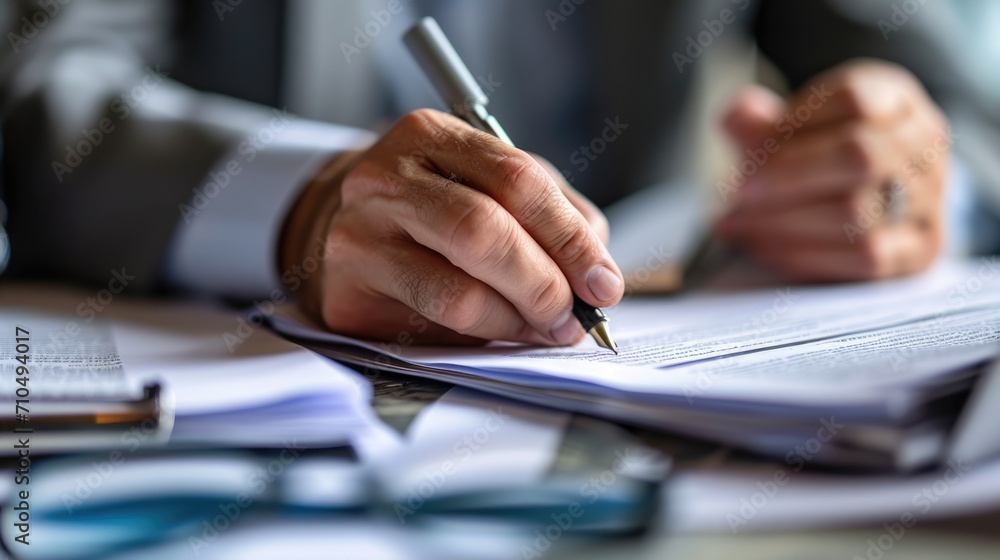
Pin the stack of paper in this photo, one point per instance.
(868, 375)
(229, 383)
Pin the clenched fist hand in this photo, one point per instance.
(844, 180)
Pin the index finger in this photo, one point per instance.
(864, 90)
(521, 185)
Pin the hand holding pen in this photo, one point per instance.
(441, 233)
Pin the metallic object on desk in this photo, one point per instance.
(459, 90)
(81, 424)
(4, 240)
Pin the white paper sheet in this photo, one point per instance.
(749, 500)
(467, 438)
(807, 345)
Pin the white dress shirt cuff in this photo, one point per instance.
(227, 239)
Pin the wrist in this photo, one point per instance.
(304, 230)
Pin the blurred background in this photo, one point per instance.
(116, 117)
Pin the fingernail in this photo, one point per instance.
(603, 283)
(565, 330)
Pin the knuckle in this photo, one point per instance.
(547, 297)
(460, 306)
(407, 166)
(859, 81)
(573, 246)
(429, 130)
(852, 96)
(898, 73)
(411, 124)
(856, 80)
(520, 177)
(419, 121)
(480, 238)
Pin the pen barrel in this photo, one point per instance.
(588, 315)
(444, 68)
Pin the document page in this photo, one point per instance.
(64, 358)
(847, 339)
(665, 332)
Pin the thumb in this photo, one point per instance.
(751, 115)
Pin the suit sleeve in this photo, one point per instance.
(117, 167)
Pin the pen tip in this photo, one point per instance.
(602, 335)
